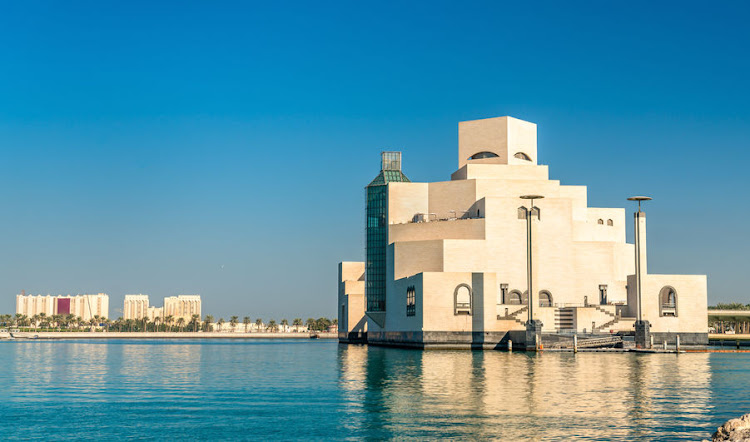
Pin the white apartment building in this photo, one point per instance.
(83, 306)
(182, 306)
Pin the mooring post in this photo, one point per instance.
(652, 342)
(665, 344)
(677, 343)
(575, 343)
(510, 345)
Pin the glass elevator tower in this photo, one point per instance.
(376, 231)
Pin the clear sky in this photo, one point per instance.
(222, 148)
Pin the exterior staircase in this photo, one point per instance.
(514, 316)
(607, 324)
(564, 319)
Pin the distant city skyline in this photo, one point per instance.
(224, 150)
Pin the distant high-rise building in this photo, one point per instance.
(135, 307)
(83, 306)
(182, 306)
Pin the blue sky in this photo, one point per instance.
(144, 145)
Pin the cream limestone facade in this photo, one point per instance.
(83, 306)
(135, 307)
(352, 321)
(182, 306)
(455, 257)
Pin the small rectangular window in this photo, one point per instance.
(603, 294)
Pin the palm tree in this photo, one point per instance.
(157, 320)
(233, 322)
(169, 320)
(195, 320)
(207, 322)
(310, 324)
(297, 323)
(220, 322)
(246, 321)
(180, 322)
(70, 319)
(272, 325)
(259, 323)
(284, 325)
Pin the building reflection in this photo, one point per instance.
(67, 369)
(517, 396)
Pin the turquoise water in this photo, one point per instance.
(316, 390)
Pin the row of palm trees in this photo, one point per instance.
(43, 321)
(168, 323)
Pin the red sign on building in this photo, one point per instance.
(63, 306)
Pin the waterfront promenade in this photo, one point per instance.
(168, 335)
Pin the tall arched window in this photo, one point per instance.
(600, 222)
(514, 297)
(545, 299)
(610, 223)
(668, 301)
(462, 300)
(522, 156)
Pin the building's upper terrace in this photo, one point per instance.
(501, 140)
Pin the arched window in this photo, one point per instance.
(610, 223)
(600, 222)
(514, 298)
(411, 301)
(545, 299)
(462, 300)
(522, 156)
(668, 301)
(480, 155)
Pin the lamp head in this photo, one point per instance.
(639, 199)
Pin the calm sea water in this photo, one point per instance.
(315, 390)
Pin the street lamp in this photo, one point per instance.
(531, 325)
(641, 327)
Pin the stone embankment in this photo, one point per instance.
(734, 430)
(167, 335)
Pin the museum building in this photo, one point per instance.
(446, 262)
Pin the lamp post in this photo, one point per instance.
(642, 329)
(533, 328)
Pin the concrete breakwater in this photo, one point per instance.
(168, 335)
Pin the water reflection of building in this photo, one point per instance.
(514, 396)
(446, 261)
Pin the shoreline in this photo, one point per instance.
(164, 335)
